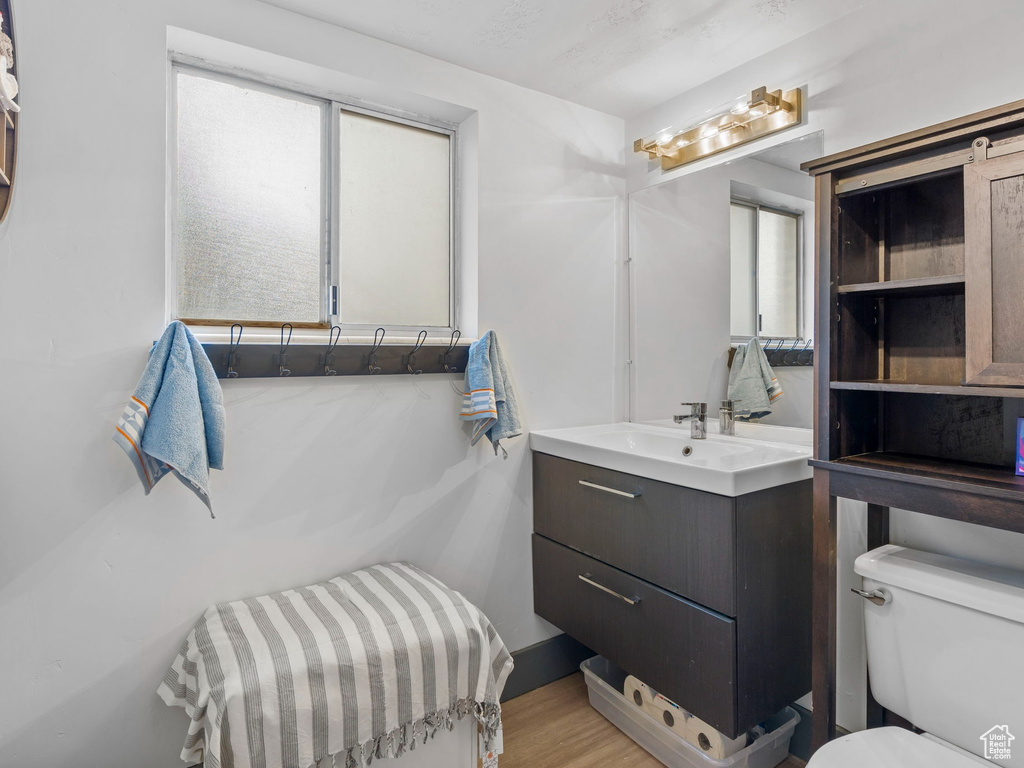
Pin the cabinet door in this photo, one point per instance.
(678, 538)
(679, 648)
(994, 267)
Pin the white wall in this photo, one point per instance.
(98, 584)
(887, 68)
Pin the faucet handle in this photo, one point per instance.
(699, 409)
(730, 405)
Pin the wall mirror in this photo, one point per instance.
(718, 256)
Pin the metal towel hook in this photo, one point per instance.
(791, 355)
(371, 359)
(233, 358)
(809, 359)
(410, 359)
(283, 357)
(332, 342)
(445, 359)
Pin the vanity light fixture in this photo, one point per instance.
(763, 114)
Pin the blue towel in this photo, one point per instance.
(488, 399)
(175, 420)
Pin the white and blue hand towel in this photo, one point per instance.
(488, 398)
(752, 382)
(174, 422)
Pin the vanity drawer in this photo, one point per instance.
(684, 651)
(678, 538)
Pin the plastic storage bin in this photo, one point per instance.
(604, 687)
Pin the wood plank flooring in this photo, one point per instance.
(555, 727)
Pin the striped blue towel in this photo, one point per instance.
(174, 422)
(488, 398)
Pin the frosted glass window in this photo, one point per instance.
(743, 270)
(777, 273)
(249, 210)
(764, 272)
(395, 223)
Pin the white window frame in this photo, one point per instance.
(800, 310)
(332, 105)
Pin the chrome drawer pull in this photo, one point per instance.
(610, 490)
(631, 601)
(877, 596)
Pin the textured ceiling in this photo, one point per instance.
(618, 56)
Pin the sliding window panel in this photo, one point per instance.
(743, 270)
(777, 273)
(249, 207)
(395, 223)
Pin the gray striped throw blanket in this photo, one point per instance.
(360, 667)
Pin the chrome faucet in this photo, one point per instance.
(698, 420)
(727, 417)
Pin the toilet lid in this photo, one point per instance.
(890, 748)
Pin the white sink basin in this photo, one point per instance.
(726, 465)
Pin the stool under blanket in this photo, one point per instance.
(364, 666)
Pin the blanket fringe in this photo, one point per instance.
(405, 737)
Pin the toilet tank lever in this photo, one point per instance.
(877, 596)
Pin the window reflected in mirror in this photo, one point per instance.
(765, 271)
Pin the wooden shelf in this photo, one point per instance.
(983, 479)
(886, 385)
(932, 286)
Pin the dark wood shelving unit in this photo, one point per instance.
(919, 377)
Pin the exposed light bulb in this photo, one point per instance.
(681, 143)
(709, 131)
(665, 138)
(740, 109)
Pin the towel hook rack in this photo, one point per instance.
(283, 356)
(328, 358)
(445, 359)
(371, 359)
(410, 359)
(232, 357)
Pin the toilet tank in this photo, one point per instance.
(947, 649)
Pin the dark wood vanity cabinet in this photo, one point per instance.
(705, 598)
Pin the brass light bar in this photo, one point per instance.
(763, 114)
